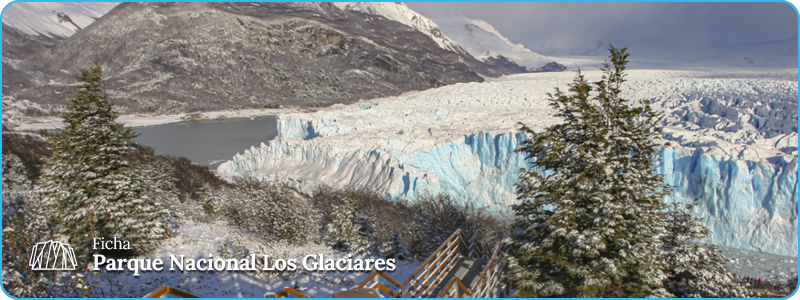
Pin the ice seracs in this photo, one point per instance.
(729, 145)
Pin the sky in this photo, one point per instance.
(669, 31)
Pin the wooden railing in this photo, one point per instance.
(431, 273)
(486, 284)
(437, 266)
(163, 290)
(290, 291)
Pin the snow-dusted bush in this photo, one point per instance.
(437, 217)
(276, 212)
(31, 148)
(376, 214)
(192, 178)
(791, 284)
(395, 248)
(695, 270)
(349, 230)
(414, 228)
(25, 224)
(13, 173)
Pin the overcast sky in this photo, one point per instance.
(651, 30)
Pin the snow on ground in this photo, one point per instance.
(196, 239)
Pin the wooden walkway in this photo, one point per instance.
(458, 268)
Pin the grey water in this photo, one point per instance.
(207, 142)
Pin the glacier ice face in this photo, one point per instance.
(460, 140)
(747, 204)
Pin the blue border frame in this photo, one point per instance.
(791, 296)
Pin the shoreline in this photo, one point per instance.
(143, 120)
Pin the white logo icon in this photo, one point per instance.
(52, 256)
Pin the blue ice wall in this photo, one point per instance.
(748, 204)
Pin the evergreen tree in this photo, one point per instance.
(693, 270)
(88, 183)
(149, 222)
(590, 214)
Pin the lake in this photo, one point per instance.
(207, 142)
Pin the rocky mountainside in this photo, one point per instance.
(185, 57)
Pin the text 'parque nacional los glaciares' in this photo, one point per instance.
(311, 262)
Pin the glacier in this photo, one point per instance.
(730, 140)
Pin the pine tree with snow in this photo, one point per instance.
(158, 193)
(88, 182)
(693, 270)
(348, 230)
(590, 214)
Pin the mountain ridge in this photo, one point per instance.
(187, 57)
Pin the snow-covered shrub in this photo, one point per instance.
(25, 224)
(30, 148)
(380, 215)
(276, 212)
(791, 284)
(694, 270)
(419, 226)
(13, 173)
(349, 229)
(437, 217)
(192, 178)
(395, 248)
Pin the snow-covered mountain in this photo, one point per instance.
(482, 41)
(397, 11)
(733, 144)
(54, 19)
(461, 34)
(485, 43)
